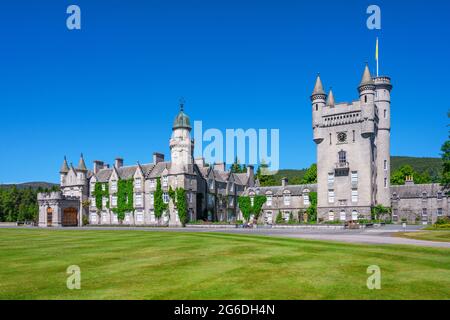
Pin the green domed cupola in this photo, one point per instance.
(182, 120)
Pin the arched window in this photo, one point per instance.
(365, 99)
(342, 156)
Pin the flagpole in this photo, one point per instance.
(376, 55)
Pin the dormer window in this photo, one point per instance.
(165, 181)
(269, 199)
(211, 184)
(287, 199)
(424, 196)
(439, 195)
(137, 183)
(113, 186)
(231, 187)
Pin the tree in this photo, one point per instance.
(378, 211)
(279, 219)
(399, 176)
(310, 176)
(263, 175)
(159, 204)
(445, 181)
(236, 166)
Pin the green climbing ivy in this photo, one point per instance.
(124, 198)
(245, 204)
(99, 194)
(159, 204)
(178, 197)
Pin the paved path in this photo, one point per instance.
(382, 235)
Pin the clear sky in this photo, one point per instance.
(112, 88)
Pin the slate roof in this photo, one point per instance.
(416, 190)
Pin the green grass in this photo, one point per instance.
(431, 235)
(168, 265)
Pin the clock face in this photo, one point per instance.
(342, 137)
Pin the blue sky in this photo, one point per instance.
(112, 88)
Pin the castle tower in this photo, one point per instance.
(63, 172)
(383, 89)
(181, 145)
(352, 140)
(318, 100)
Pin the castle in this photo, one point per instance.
(353, 175)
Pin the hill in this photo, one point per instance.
(32, 185)
(431, 165)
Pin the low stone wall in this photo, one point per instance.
(212, 226)
(8, 224)
(309, 227)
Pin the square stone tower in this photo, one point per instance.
(353, 150)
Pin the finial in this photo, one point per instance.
(182, 104)
(81, 155)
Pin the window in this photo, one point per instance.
(424, 212)
(190, 195)
(231, 187)
(343, 216)
(139, 199)
(385, 182)
(165, 181)
(354, 195)
(342, 156)
(252, 200)
(331, 178)
(439, 195)
(137, 183)
(152, 198)
(331, 196)
(365, 99)
(385, 113)
(231, 201)
(306, 199)
(211, 184)
(269, 200)
(439, 212)
(385, 164)
(287, 199)
(152, 183)
(287, 216)
(103, 187)
(139, 217)
(395, 215)
(424, 196)
(330, 140)
(354, 177)
(92, 187)
(354, 136)
(166, 197)
(104, 202)
(114, 201)
(317, 107)
(113, 186)
(354, 215)
(331, 216)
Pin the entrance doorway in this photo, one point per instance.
(70, 217)
(49, 217)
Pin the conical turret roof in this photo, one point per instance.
(318, 88)
(330, 100)
(64, 166)
(81, 164)
(366, 78)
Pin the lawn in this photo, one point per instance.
(169, 265)
(431, 235)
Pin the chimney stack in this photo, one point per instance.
(119, 162)
(284, 182)
(409, 180)
(98, 165)
(219, 166)
(158, 157)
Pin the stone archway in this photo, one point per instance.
(49, 217)
(70, 217)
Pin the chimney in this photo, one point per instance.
(250, 171)
(409, 180)
(98, 165)
(158, 157)
(219, 166)
(200, 162)
(284, 182)
(118, 163)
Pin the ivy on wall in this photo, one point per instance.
(179, 199)
(99, 194)
(124, 198)
(245, 204)
(159, 204)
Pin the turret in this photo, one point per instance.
(63, 171)
(318, 100)
(180, 142)
(330, 100)
(82, 170)
(367, 100)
